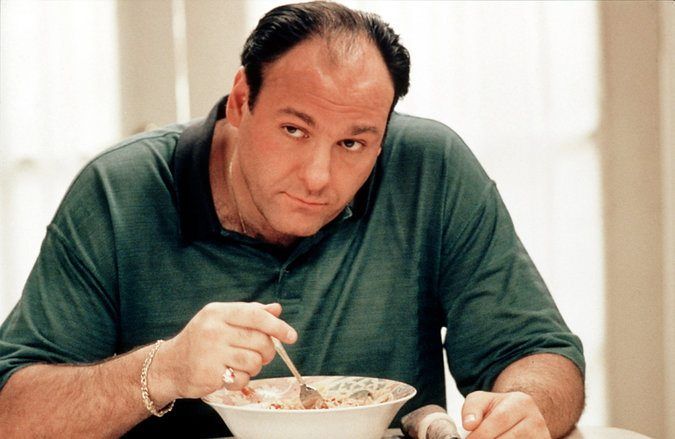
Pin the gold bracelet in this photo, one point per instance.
(144, 384)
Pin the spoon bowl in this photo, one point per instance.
(310, 398)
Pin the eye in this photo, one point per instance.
(294, 132)
(351, 144)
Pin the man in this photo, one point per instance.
(286, 197)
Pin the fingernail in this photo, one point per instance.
(469, 419)
(291, 336)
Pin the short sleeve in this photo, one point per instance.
(497, 307)
(67, 311)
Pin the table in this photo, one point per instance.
(604, 433)
(582, 432)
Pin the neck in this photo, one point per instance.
(221, 173)
(233, 195)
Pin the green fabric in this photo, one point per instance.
(368, 294)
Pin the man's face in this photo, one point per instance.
(313, 136)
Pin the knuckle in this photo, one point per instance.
(258, 316)
(243, 335)
(523, 398)
(476, 396)
(239, 359)
(210, 308)
(519, 395)
(248, 361)
(210, 329)
(500, 415)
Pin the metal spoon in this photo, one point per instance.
(309, 397)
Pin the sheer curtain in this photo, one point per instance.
(519, 82)
(59, 104)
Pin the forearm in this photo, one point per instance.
(555, 384)
(104, 400)
(101, 400)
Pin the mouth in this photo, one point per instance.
(308, 203)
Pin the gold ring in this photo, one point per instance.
(228, 376)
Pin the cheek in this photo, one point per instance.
(352, 174)
(268, 163)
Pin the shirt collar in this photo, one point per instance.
(198, 218)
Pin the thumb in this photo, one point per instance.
(474, 408)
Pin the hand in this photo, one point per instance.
(503, 415)
(220, 335)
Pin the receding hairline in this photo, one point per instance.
(344, 30)
(341, 47)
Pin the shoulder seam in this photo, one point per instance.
(131, 141)
(58, 234)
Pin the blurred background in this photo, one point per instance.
(569, 106)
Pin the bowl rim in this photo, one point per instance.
(255, 408)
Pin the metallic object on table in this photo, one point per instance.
(429, 422)
(309, 397)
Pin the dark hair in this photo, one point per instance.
(285, 26)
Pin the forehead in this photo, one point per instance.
(335, 75)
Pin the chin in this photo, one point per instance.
(302, 232)
(298, 227)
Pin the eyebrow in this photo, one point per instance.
(309, 120)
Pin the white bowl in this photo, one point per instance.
(252, 417)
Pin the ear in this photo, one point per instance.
(237, 102)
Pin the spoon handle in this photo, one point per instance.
(284, 356)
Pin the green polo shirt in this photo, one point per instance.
(135, 250)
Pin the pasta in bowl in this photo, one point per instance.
(271, 409)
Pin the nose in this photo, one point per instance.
(316, 172)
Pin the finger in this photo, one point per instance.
(506, 412)
(244, 360)
(474, 408)
(524, 430)
(250, 339)
(240, 379)
(258, 318)
(273, 308)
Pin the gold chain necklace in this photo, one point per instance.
(234, 197)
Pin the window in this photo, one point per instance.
(58, 107)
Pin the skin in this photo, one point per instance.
(538, 396)
(299, 157)
(296, 159)
(294, 168)
(103, 400)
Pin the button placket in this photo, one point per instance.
(281, 280)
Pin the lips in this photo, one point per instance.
(307, 202)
